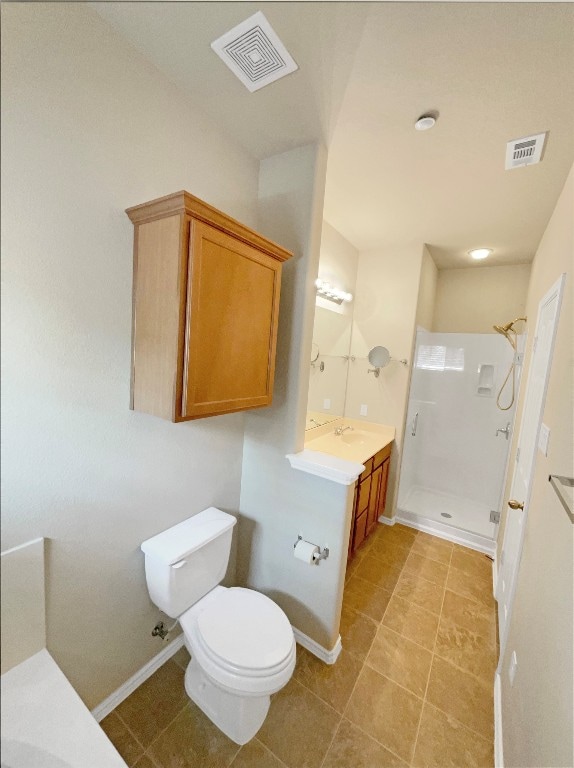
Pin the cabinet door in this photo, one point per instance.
(360, 533)
(373, 512)
(364, 495)
(381, 455)
(231, 324)
(383, 487)
(354, 515)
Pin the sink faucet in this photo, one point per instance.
(339, 430)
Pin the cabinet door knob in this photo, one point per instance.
(515, 504)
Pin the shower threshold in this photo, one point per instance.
(453, 518)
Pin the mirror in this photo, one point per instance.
(348, 375)
(332, 328)
(328, 369)
(379, 357)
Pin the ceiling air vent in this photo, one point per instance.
(254, 53)
(526, 151)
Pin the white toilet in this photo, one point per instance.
(241, 643)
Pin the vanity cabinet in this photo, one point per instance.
(370, 497)
(205, 311)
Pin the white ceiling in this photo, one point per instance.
(494, 72)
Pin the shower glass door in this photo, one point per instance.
(456, 438)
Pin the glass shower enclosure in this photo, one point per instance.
(457, 439)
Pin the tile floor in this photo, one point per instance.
(413, 685)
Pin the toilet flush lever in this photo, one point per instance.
(179, 564)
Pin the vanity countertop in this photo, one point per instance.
(356, 445)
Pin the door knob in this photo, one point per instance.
(515, 504)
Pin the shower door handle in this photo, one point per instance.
(505, 431)
(415, 422)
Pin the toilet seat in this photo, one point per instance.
(241, 639)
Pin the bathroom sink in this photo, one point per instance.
(357, 444)
(356, 438)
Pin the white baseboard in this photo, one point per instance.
(115, 698)
(387, 520)
(494, 575)
(444, 531)
(329, 657)
(498, 747)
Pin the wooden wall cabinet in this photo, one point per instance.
(205, 311)
(370, 497)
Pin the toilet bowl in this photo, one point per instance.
(242, 650)
(241, 643)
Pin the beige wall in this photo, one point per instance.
(279, 503)
(23, 591)
(89, 128)
(473, 300)
(427, 292)
(537, 710)
(385, 314)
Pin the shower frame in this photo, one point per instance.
(412, 505)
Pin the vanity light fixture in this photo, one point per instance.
(480, 253)
(326, 291)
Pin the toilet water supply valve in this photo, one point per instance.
(160, 630)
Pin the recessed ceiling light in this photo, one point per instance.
(480, 253)
(426, 121)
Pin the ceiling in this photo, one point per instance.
(367, 71)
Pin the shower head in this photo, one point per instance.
(505, 330)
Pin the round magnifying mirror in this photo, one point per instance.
(379, 357)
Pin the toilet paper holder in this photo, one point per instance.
(323, 553)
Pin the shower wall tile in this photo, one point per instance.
(455, 449)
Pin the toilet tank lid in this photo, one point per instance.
(184, 538)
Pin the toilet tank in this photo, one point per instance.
(185, 562)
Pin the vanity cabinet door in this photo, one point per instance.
(360, 533)
(364, 495)
(381, 455)
(382, 498)
(361, 500)
(373, 512)
(360, 512)
(353, 519)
